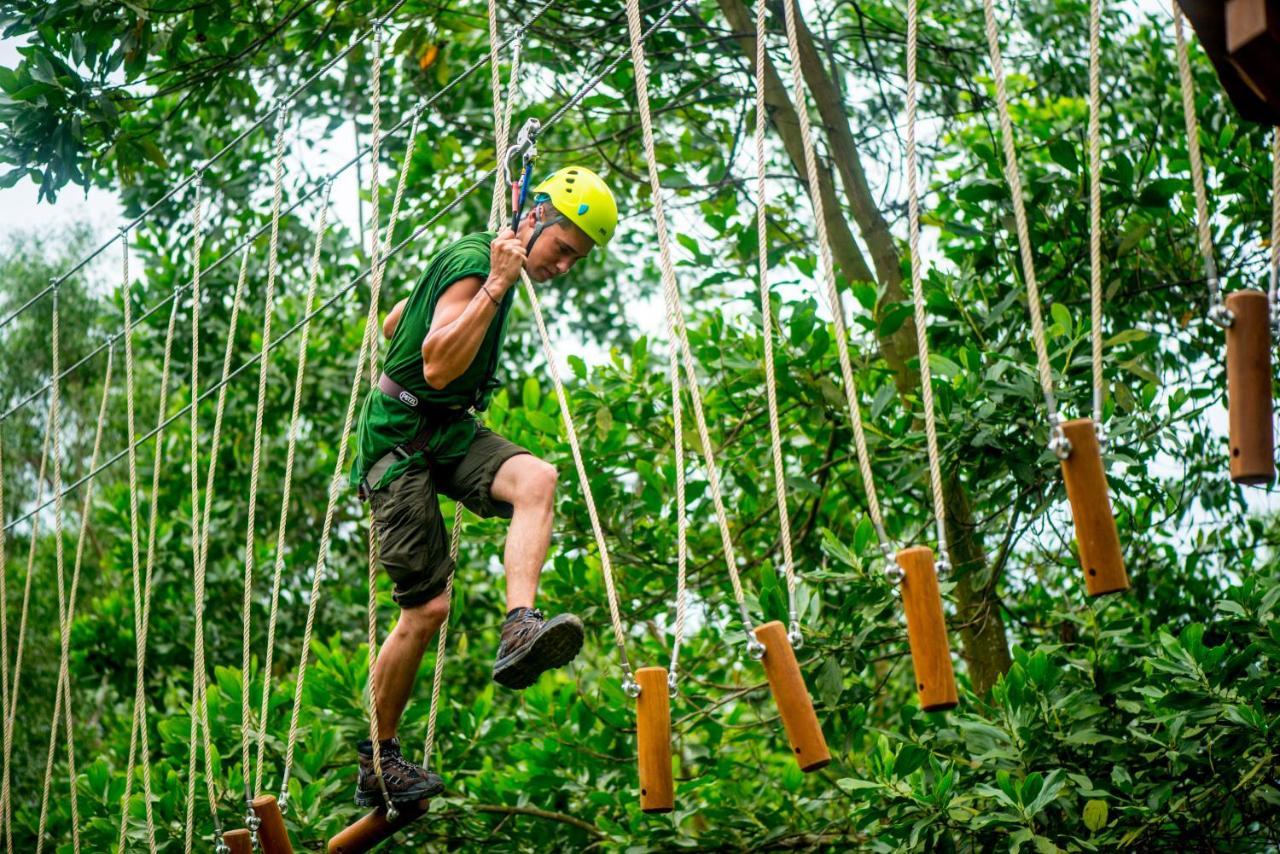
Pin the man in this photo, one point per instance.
(417, 437)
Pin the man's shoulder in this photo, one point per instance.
(469, 247)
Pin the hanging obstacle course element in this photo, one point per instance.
(1087, 491)
(653, 740)
(1249, 388)
(375, 828)
(273, 837)
(239, 841)
(1242, 40)
(792, 697)
(927, 630)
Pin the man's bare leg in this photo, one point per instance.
(528, 484)
(398, 660)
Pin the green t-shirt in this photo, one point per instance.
(385, 422)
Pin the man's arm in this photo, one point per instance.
(463, 313)
(392, 319)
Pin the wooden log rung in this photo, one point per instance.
(791, 695)
(273, 836)
(374, 828)
(1249, 405)
(653, 740)
(1087, 491)
(927, 630)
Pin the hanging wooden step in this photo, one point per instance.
(239, 841)
(1209, 18)
(791, 695)
(375, 828)
(272, 834)
(1249, 388)
(1087, 490)
(653, 740)
(927, 630)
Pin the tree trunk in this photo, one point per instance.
(986, 647)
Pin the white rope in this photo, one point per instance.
(295, 416)
(250, 548)
(1014, 177)
(66, 616)
(766, 312)
(675, 318)
(1095, 211)
(6, 794)
(200, 697)
(682, 515)
(55, 405)
(1274, 290)
(1218, 312)
(917, 290)
(5, 830)
(141, 576)
(834, 301)
(497, 211)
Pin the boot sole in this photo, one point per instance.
(374, 798)
(559, 643)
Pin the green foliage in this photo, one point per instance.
(1145, 721)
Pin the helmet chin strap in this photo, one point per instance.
(542, 225)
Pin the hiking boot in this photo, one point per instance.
(531, 645)
(406, 782)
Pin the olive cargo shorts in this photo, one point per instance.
(413, 545)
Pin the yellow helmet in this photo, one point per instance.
(582, 197)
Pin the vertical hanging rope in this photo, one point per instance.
(1219, 314)
(497, 213)
(917, 290)
(675, 321)
(6, 793)
(200, 697)
(264, 364)
(66, 616)
(299, 374)
(5, 830)
(1275, 234)
(1013, 176)
(827, 270)
(139, 725)
(766, 313)
(1095, 212)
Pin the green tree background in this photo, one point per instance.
(1144, 720)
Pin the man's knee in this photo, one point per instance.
(538, 486)
(420, 623)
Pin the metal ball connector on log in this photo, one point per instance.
(375, 828)
(653, 740)
(927, 630)
(1087, 491)
(791, 695)
(1249, 388)
(272, 835)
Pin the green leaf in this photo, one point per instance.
(1061, 316)
(531, 393)
(1095, 814)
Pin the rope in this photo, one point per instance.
(200, 696)
(5, 830)
(6, 794)
(1013, 175)
(279, 105)
(142, 594)
(375, 287)
(1095, 212)
(834, 302)
(766, 311)
(318, 185)
(290, 451)
(917, 290)
(66, 616)
(675, 319)
(1218, 312)
(1275, 237)
(497, 212)
(55, 406)
(264, 364)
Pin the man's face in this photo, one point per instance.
(557, 249)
